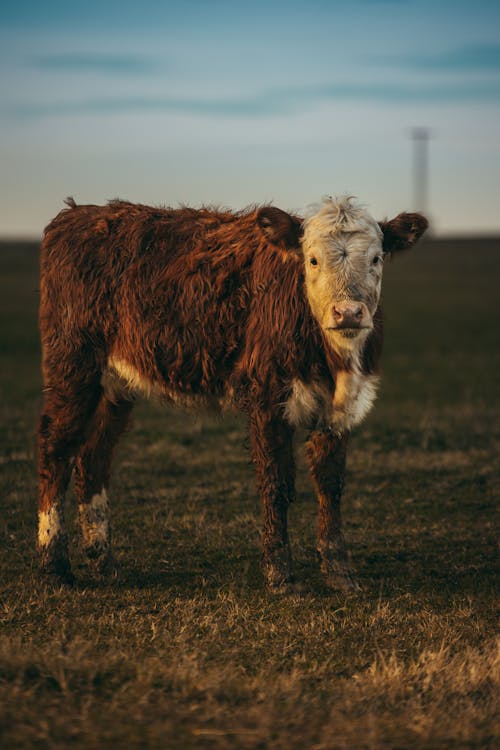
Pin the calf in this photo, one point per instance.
(260, 310)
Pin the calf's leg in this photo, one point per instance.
(65, 415)
(326, 456)
(92, 480)
(272, 452)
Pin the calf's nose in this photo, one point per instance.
(348, 314)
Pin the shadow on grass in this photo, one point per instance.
(436, 572)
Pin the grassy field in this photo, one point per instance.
(185, 648)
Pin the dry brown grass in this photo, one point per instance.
(185, 648)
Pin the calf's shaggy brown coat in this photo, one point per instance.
(197, 306)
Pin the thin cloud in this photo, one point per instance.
(276, 102)
(472, 58)
(388, 92)
(95, 63)
(232, 107)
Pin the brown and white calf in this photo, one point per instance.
(275, 315)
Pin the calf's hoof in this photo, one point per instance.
(277, 569)
(102, 565)
(335, 566)
(55, 580)
(99, 557)
(56, 572)
(288, 587)
(340, 578)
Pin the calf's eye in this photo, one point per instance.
(313, 261)
(376, 260)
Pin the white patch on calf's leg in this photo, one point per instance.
(50, 526)
(94, 521)
(53, 543)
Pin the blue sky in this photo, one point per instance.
(234, 103)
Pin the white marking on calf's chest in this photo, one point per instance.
(354, 396)
(308, 404)
(314, 405)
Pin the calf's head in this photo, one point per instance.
(344, 250)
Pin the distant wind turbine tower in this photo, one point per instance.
(420, 138)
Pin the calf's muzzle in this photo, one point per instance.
(350, 315)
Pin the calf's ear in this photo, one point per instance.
(279, 227)
(402, 232)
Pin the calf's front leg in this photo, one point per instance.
(272, 453)
(326, 456)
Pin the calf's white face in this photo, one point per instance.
(344, 250)
(343, 254)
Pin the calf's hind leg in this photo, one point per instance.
(65, 415)
(326, 455)
(92, 480)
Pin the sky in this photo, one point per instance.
(231, 103)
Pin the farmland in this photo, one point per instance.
(185, 648)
